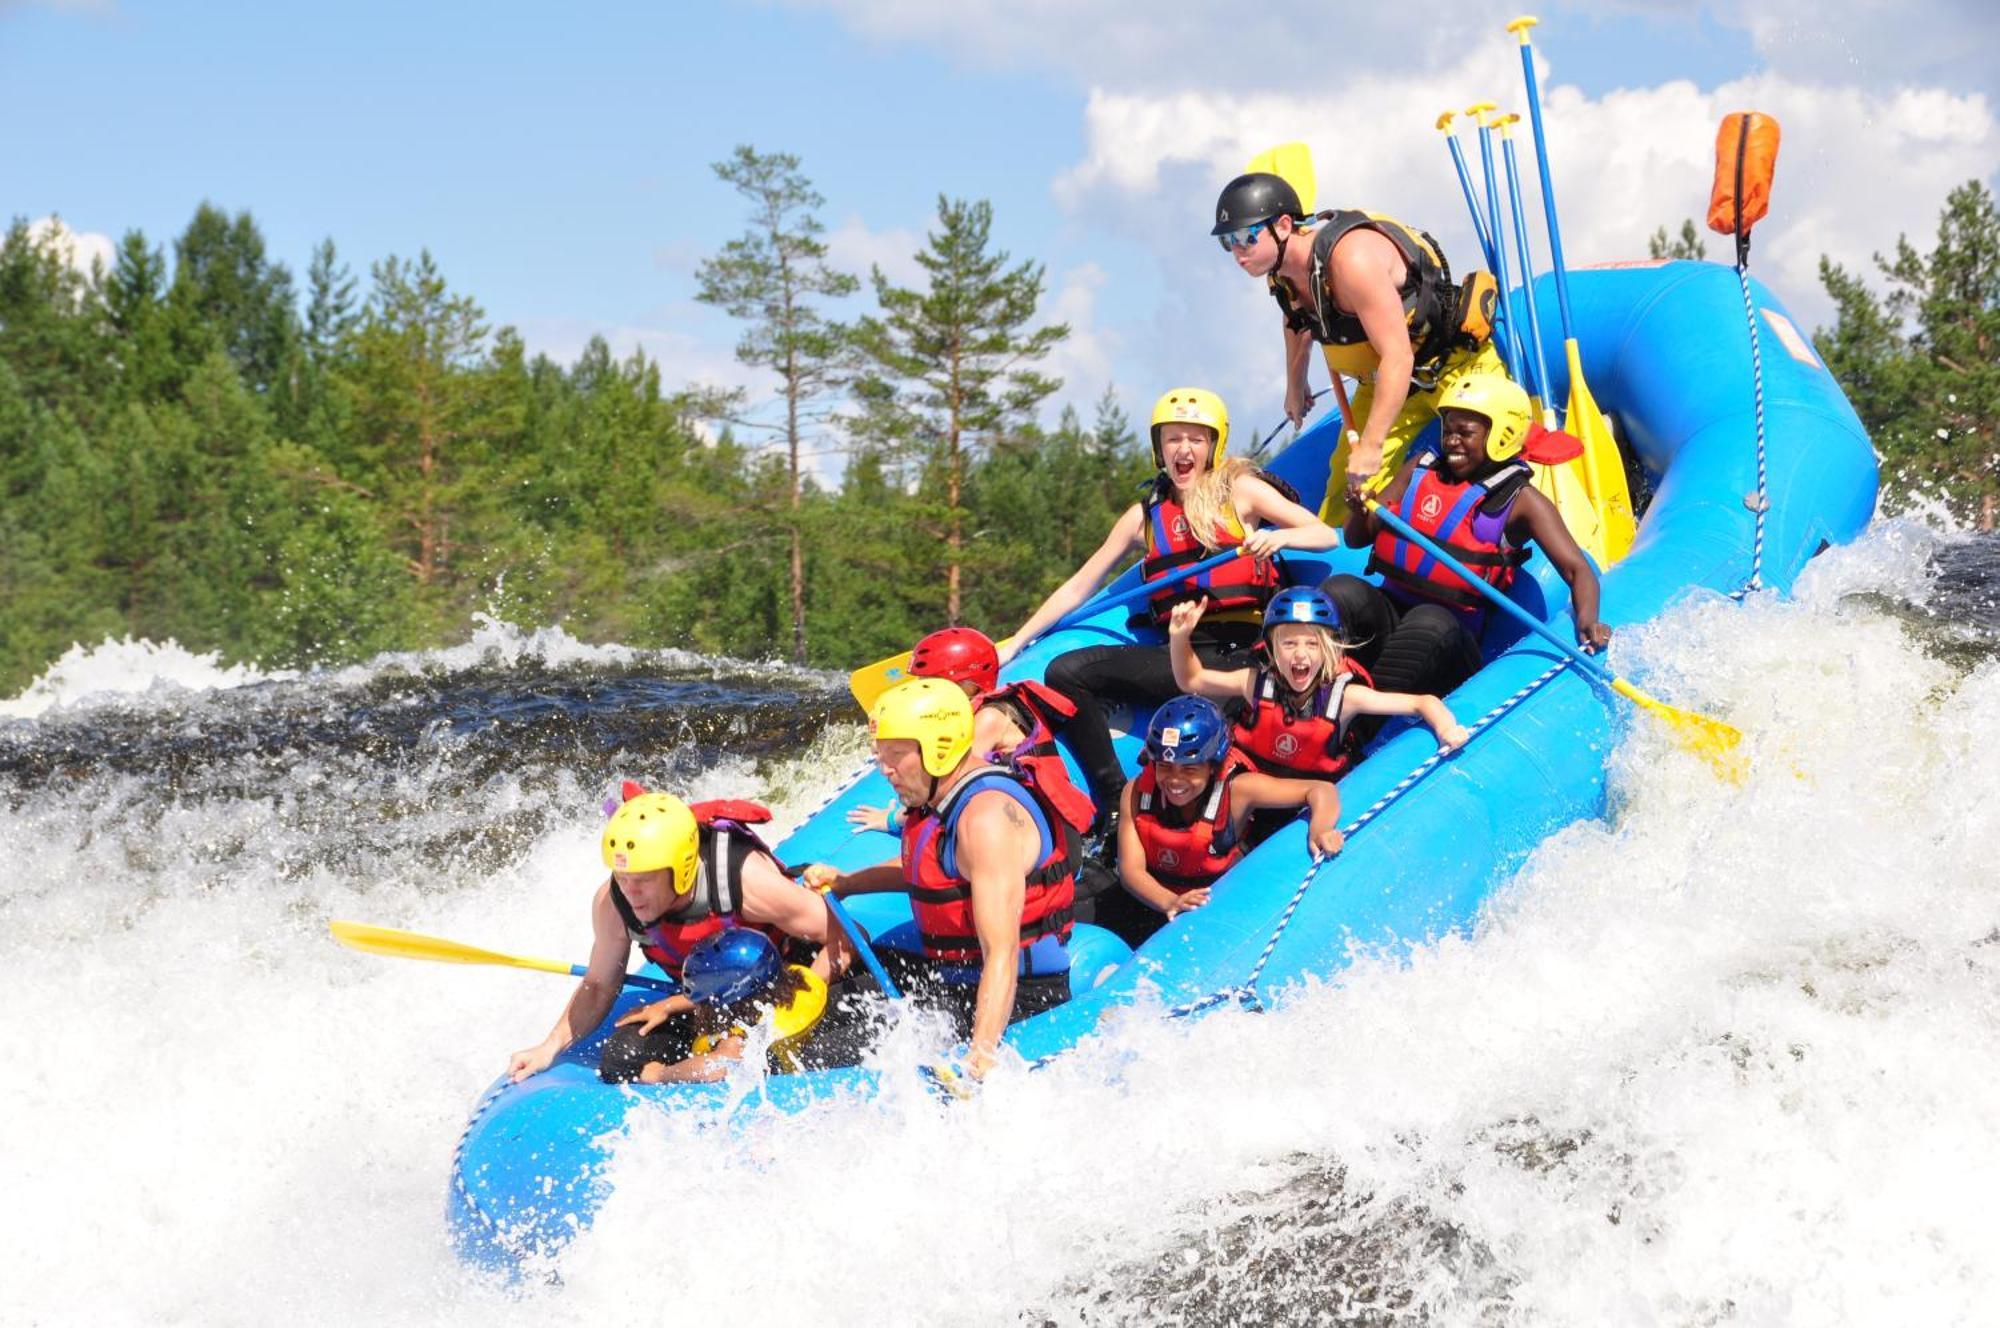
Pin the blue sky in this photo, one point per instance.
(555, 158)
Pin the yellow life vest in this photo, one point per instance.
(792, 1022)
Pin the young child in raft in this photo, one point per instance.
(734, 980)
(1183, 817)
(1016, 723)
(1298, 708)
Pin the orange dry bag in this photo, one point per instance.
(1746, 155)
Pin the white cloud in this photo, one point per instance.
(1085, 359)
(79, 249)
(853, 248)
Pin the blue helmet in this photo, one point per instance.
(1187, 730)
(1301, 604)
(730, 966)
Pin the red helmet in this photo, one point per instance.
(958, 654)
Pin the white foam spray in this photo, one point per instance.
(1733, 1055)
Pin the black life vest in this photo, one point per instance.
(1429, 297)
(1468, 520)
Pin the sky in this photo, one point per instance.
(555, 159)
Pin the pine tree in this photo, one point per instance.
(1688, 244)
(774, 276)
(950, 367)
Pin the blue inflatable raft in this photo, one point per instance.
(1756, 464)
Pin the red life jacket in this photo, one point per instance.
(1317, 744)
(1187, 857)
(1468, 520)
(727, 842)
(1236, 589)
(941, 898)
(1035, 757)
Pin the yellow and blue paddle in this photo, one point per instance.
(1604, 468)
(1715, 741)
(871, 680)
(371, 939)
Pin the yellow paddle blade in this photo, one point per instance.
(1294, 163)
(871, 680)
(1711, 739)
(1603, 467)
(409, 945)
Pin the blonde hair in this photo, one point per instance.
(1207, 501)
(1331, 651)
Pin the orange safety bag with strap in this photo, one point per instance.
(1746, 156)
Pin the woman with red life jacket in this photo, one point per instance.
(1202, 503)
(679, 875)
(1421, 628)
(988, 865)
(1297, 711)
(1015, 724)
(1185, 813)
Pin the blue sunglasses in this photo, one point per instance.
(1241, 238)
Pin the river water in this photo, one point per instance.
(1731, 1056)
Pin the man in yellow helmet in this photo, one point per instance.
(1378, 298)
(679, 875)
(1419, 632)
(988, 865)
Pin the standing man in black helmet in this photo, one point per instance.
(1379, 299)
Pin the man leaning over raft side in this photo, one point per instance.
(988, 866)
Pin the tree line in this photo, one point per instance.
(195, 444)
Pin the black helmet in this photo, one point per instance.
(1258, 196)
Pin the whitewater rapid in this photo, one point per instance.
(1733, 1054)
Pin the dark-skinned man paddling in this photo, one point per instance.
(1378, 297)
(988, 866)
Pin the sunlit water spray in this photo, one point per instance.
(1732, 1056)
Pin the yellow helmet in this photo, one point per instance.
(934, 713)
(1506, 407)
(1192, 405)
(652, 831)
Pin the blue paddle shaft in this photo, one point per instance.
(1508, 336)
(1499, 598)
(1548, 186)
(1140, 591)
(1471, 201)
(667, 985)
(860, 940)
(1527, 271)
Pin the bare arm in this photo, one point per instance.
(1364, 278)
(1124, 537)
(1298, 361)
(704, 1067)
(1359, 700)
(997, 847)
(1253, 792)
(1132, 873)
(1190, 675)
(882, 878)
(603, 979)
(1535, 517)
(1275, 521)
(774, 899)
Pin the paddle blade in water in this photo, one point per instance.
(1711, 739)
